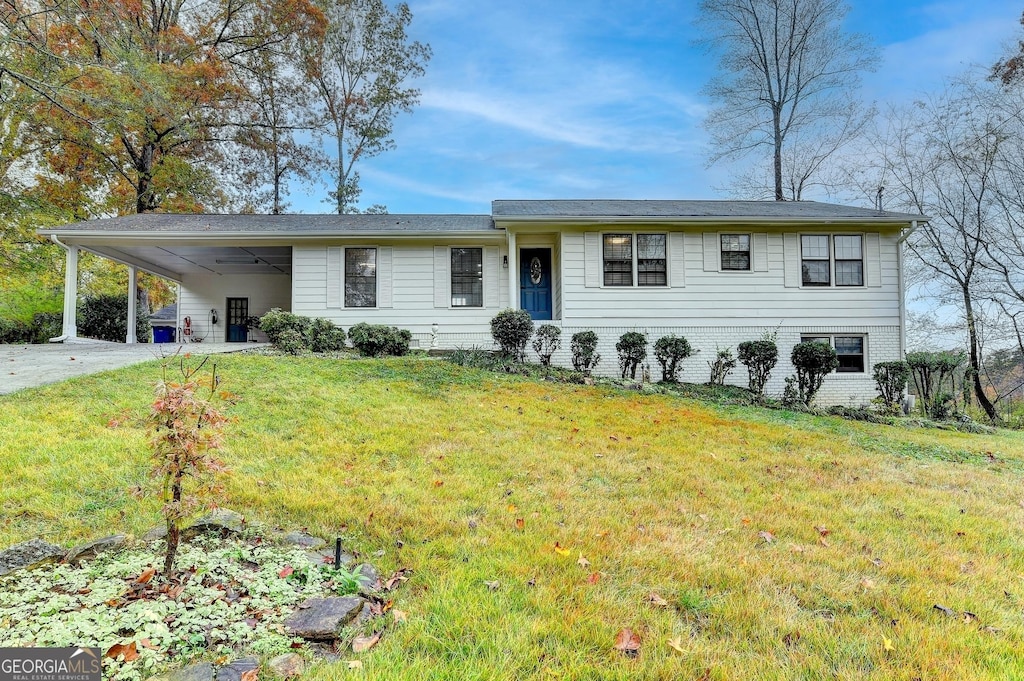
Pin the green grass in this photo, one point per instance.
(432, 464)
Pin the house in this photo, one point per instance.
(716, 272)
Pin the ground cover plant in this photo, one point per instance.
(576, 532)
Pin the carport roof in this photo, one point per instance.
(206, 225)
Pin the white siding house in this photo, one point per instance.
(716, 272)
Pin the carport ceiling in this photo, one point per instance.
(192, 260)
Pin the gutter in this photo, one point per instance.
(551, 220)
(276, 235)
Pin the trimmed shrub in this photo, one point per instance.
(546, 342)
(105, 317)
(584, 352)
(277, 321)
(378, 340)
(291, 341)
(632, 349)
(722, 365)
(511, 330)
(813, 361)
(669, 351)
(323, 336)
(47, 325)
(891, 381)
(759, 357)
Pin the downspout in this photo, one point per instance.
(902, 287)
(69, 322)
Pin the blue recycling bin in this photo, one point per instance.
(163, 334)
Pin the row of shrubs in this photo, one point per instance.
(512, 330)
(104, 317)
(294, 334)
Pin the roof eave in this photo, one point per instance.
(262, 235)
(508, 221)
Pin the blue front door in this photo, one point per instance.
(535, 282)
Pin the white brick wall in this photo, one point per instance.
(882, 344)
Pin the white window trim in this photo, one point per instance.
(635, 284)
(750, 252)
(832, 260)
(483, 279)
(831, 335)
(376, 276)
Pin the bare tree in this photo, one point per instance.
(941, 158)
(787, 82)
(361, 70)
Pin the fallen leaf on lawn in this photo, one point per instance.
(399, 615)
(745, 520)
(399, 576)
(512, 508)
(627, 642)
(887, 644)
(355, 664)
(146, 643)
(877, 562)
(796, 549)
(594, 577)
(560, 550)
(146, 575)
(612, 437)
(129, 651)
(492, 586)
(676, 644)
(520, 524)
(969, 617)
(602, 534)
(822, 530)
(656, 600)
(250, 675)
(287, 571)
(767, 536)
(867, 584)
(944, 610)
(791, 638)
(360, 644)
(583, 562)
(821, 540)
(438, 483)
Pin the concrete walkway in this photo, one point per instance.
(27, 366)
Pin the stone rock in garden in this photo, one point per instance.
(325, 651)
(29, 554)
(196, 672)
(326, 557)
(220, 521)
(320, 619)
(287, 665)
(154, 533)
(364, 615)
(303, 540)
(94, 548)
(233, 670)
(367, 577)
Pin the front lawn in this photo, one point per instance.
(541, 519)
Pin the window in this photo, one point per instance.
(649, 262)
(360, 277)
(849, 261)
(467, 277)
(846, 257)
(849, 351)
(735, 251)
(618, 259)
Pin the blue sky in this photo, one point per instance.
(602, 98)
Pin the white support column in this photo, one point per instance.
(513, 272)
(70, 330)
(133, 302)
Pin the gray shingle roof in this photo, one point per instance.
(800, 210)
(327, 224)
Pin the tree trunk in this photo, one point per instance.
(777, 157)
(975, 360)
(173, 529)
(143, 188)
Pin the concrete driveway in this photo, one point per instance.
(27, 366)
